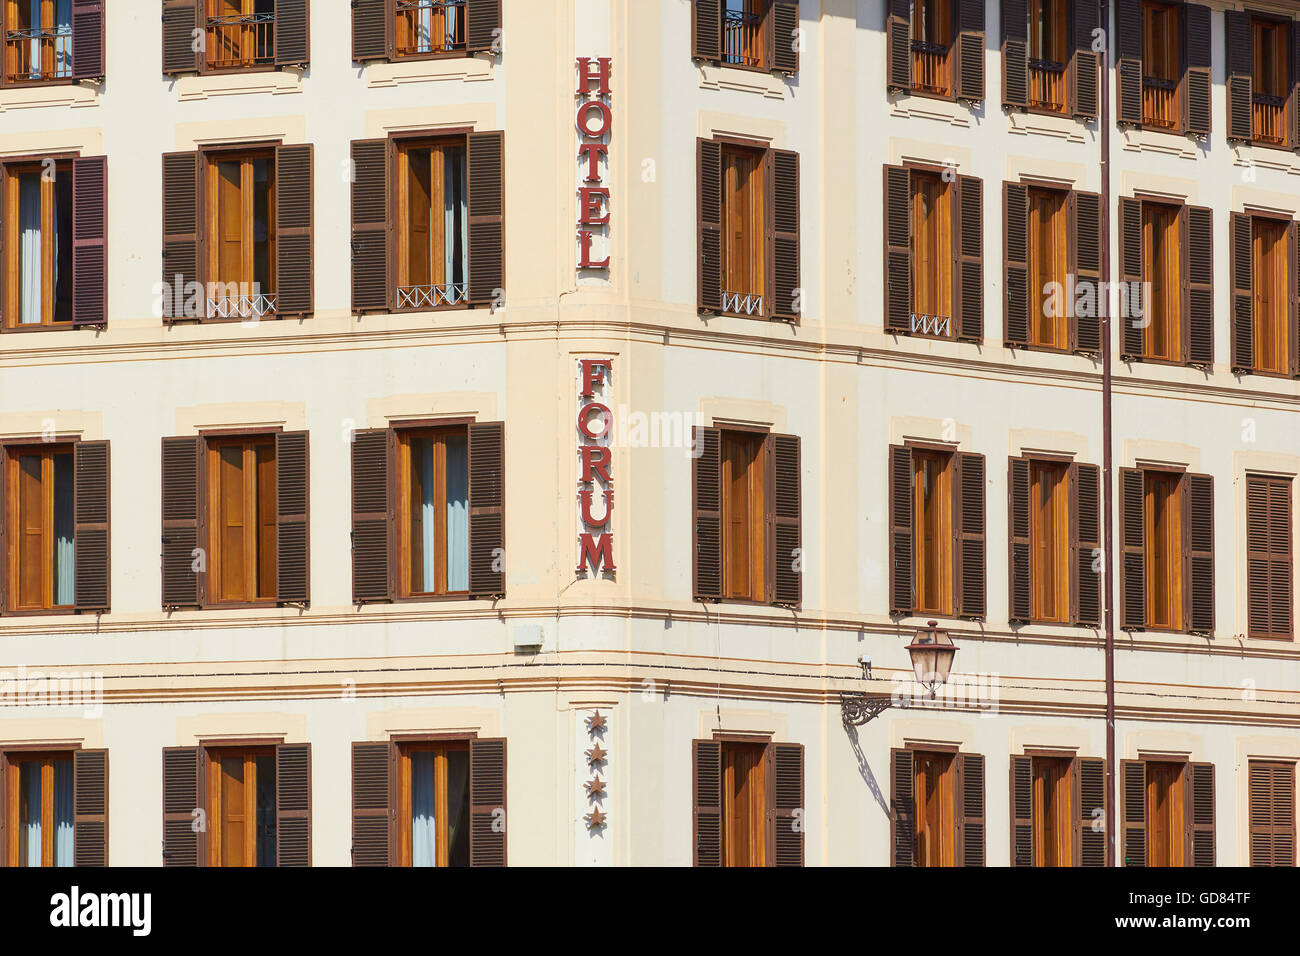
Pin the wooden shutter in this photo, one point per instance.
(182, 231)
(1085, 540)
(970, 50)
(293, 805)
(901, 571)
(1199, 254)
(372, 30)
(708, 155)
(1133, 821)
(1242, 269)
(183, 791)
(968, 251)
(1240, 74)
(1128, 61)
(970, 807)
(706, 30)
(293, 230)
(1132, 536)
(182, 496)
(180, 20)
(898, 30)
(90, 525)
(786, 523)
(482, 26)
(372, 806)
(1015, 256)
(1196, 34)
(487, 513)
(706, 803)
(1293, 306)
(1083, 66)
(4, 541)
(1021, 567)
(902, 809)
(292, 525)
(1132, 337)
(371, 516)
(90, 808)
(1271, 790)
(4, 810)
(788, 814)
(786, 293)
(970, 570)
(89, 241)
(1087, 246)
(1015, 54)
(1200, 553)
(783, 36)
(1198, 814)
(487, 236)
(1022, 811)
(1268, 557)
(487, 801)
(706, 520)
(292, 34)
(371, 202)
(1090, 797)
(87, 39)
(898, 249)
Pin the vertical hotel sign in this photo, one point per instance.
(594, 120)
(595, 428)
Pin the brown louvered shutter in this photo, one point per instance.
(709, 224)
(898, 31)
(1083, 66)
(372, 30)
(292, 36)
(1128, 59)
(370, 225)
(183, 841)
(1199, 246)
(293, 805)
(487, 511)
(1090, 798)
(902, 809)
(1015, 54)
(483, 26)
(706, 803)
(1196, 34)
(182, 487)
(90, 808)
(182, 231)
(1087, 252)
(898, 249)
(783, 36)
(1133, 819)
(968, 275)
(706, 30)
(1085, 539)
(1022, 811)
(372, 809)
(1199, 814)
(786, 522)
(87, 39)
(970, 570)
(89, 240)
(4, 810)
(1021, 572)
(90, 526)
(487, 801)
(1242, 269)
(789, 815)
(371, 516)
(292, 539)
(1132, 336)
(901, 573)
(180, 20)
(1240, 74)
(786, 294)
(707, 518)
(1015, 256)
(487, 223)
(970, 806)
(1268, 557)
(1132, 536)
(1293, 306)
(1199, 505)
(4, 540)
(1271, 790)
(293, 230)
(970, 50)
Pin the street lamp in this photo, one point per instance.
(931, 650)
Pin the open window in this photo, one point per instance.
(1049, 54)
(433, 511)
(1264, 295)
(750, 34)
(936, 808)
(433, 803)
(748, 801)
(432, 224)
(52, 41)
(241, 805)
(1261, 81)
(1163, 65)
(1055, 799)
(1048, 61)
(415, 29)
(1168, 813)
(240, 243)
(935, 48)
(55, 807)
(237, 35)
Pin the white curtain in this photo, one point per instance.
(428, 514)
(454, 217)
(63, 813)
(63, 44)
(29, 248)
(63, 530)
(424, 28)
(30, 780)
(424, 837)
(457, 513)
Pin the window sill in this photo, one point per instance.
(50, 93)
(467, 69)
(1251, 155)
(1148, 139)
(237, 82)
(907, 104)
(1041, 123)
(742, 80)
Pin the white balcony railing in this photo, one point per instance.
(241, 306)
(932, 324)
(738, 303)
(431, 296)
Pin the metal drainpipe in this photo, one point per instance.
(1107, 481)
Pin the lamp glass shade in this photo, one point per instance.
(932, 652)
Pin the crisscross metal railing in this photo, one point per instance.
(241, 306)
(932, 324)
(739, 303)
(431, 296)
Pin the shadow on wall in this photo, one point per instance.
(865, 769)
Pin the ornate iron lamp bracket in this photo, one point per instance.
(857, 709)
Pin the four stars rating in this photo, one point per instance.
(595, 787)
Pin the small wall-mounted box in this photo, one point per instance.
(528, 637)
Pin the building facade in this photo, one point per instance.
(330, 334)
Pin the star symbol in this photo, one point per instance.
(595, 819)
(596, 755)
(595, 788)
(596, 723)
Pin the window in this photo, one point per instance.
(1271, 80)
(1271, 793)
(240, 33)
(433, 238)
(743, 43)
(1271, 306)
(1048, 267)
(1259, 78)
(932, 284)
(932, 494)
(753, 34)
(39, 522)
(242, 519)
(1163, 514)
(1049, 54)
(1167, 812)
(1049, 539)
(1054, 511)
(935, 827)
(744, 242)
(237, 35)
(744, 799)
(936, 808)
(39, 792)
(743, 559)
(1048, 64)
(433, 803)
(429, 26)
(1162, 264)
(405, 29)
(241, 235)
(38, 40)
(1053, 813)
(241, 806)
(1269, 612)
(1055, 801)
(38, 245)
(932, 40)
(747, 802)
(433, 503)
(1162, 65)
